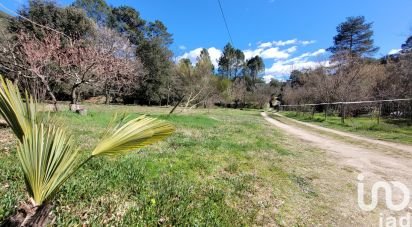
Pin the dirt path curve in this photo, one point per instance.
(374, 165)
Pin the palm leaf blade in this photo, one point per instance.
(48, 158)
(134, 134)
(18, 115)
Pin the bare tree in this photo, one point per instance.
(122, 69)
(80, 62)
(33, 58)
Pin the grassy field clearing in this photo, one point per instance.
(390, 130)
(221, 167)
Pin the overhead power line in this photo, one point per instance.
(224, 19)
(33, 22)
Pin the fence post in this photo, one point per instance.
(326, 111)
(313, 111)
(379, 112)
(342, 110)
(410, 110)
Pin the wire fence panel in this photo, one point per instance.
(394, 109)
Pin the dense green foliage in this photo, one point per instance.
(69, 20)
(98, 10)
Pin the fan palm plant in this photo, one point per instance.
(48, 155)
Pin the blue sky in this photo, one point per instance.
(289, 34)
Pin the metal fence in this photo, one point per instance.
(397, 109)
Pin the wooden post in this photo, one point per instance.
(342, 109)
(379, 112)
(326, 111)
(177, 104)
(410, 110)
(313, 112)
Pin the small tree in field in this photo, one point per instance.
(36, 57)
(26, 57)
(48, 155)
(80, 62)
(121, 69)
(194, 85)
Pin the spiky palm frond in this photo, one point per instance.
(48, 157)
(134, 134)
(19, 115)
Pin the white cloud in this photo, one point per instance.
(284, 43)
(318, 52)
(394, 51)
(274, 53)
(307, 55)
(282, 69)
(214, 55)
(307, 42)
(281, 43)
(271, 53)
(193, 54)
(265, 45)
(252, 53)
(182, 47)
(268, 77)
(292, 49)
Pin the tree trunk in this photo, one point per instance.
(29, 215)
(74, 94)
(168, 97)
(107, 97)
(50, 92)
(54, 100)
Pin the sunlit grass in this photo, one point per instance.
(221, 168)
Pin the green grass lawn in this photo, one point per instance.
(390, 130)
(221, 168)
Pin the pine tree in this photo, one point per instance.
(354, 39)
